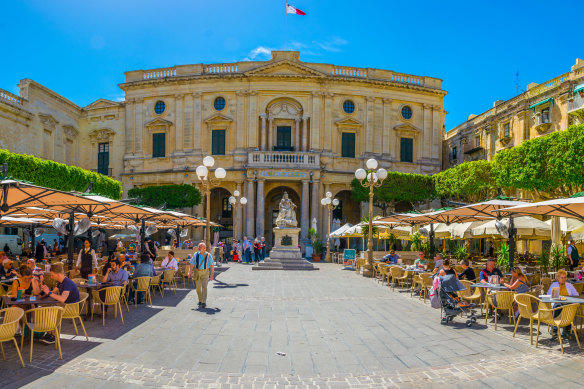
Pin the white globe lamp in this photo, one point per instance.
(202, 171)
(236, 193)
(360, 174)
(371, 164)
(243, 201)
(220, 173)
(382, 174)
(208, 161)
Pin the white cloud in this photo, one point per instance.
(331, 45)
(316, 48)
(260, 52)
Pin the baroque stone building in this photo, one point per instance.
(277, 125)
(540, 110)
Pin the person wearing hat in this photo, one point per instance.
(202, 264)
(86, 260)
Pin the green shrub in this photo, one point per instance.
(173, 196)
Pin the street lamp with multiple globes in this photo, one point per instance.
(369, 178)
(207, 182)
(331, 204)
(234, 205)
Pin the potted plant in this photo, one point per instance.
(416, 240)
(316, 244)
(503, 255)
(558, 257)
(459, 253)
(544, 261)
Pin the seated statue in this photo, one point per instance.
(286, 215)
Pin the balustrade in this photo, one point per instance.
(159, 73)
(284, 159)
(10, 97)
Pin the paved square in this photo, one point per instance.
(326, 328)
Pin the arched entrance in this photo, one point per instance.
(272, 203)
(221, 211)
(348, 210)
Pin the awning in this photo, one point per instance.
(579, 88)
(551, 99)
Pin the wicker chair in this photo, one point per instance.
(416, 282)
(12, 317)
(426, 282)
(72, 311)
(504, 300)
(546, 282)
(124, 296)
(546, 315)
(44, 320)
(579, 287)
(468, 295)
(142, 285)
(155, 283)
(536, 279)
(396, 274)
(169, 280)
(406, 279)
(385, 273)
(74, 274)
(112, 297)
(458, 269)
(525, 303)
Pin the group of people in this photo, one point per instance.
(246, 251)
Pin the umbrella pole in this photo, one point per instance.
(142, 236)
(33, 245)
(432, 247)
(71, 239)
(177, 236)
(512, 232)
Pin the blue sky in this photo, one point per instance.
(82, 48)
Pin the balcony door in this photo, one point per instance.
(103, 159)
(283, 138)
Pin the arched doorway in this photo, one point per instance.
(272, 204)
(348, 210)
(221, 211)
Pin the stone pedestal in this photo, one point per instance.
(285, 255)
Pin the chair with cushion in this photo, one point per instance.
(168, 279)
(470, 296)
(142, 285)
(501, 300)
(72, 311)
(12, 317)
(44, 319)
(112, 297)
(546, 315)
(525, 303)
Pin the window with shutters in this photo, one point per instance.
(218, 142)
(454, 153)
(159, 145)
(406, 150)
(348, 145)
(103, 158)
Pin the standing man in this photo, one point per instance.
(263, 249)
(201, 264)
(87, 260)
(573, 255)
(246, 250)
(150, 248)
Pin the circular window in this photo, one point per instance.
(219, 103)
(348, 106)
(159, 107)
(406, 112)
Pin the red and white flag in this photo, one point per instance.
(292, 10)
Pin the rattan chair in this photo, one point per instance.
(44, 319)
(155, 283)
(124, 296)
(470, 296)
(579, 287)
(416, 282)
(72, 312)
(426, 282)
(546, 282)
(142, 285)
(183, 268)
(169, 280)
(12, 317)
(536, 279)
(504, 301)
(385, 272)
(74, 274)
(525, 303)
(396, 274)
(546, 315)
(112, 297)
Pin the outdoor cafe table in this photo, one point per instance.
(489, 286)
(90, 287)
(27, 301)
(546, 298)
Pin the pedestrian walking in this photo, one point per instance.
(202, 270)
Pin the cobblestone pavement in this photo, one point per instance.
(333, 329)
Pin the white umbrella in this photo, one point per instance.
(527, 228)
(441, 230)
(464, 230)
(569, 226)
(339, 232)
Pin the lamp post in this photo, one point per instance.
(207, 182)
(234, 205)
(370, 178)
(330, 204)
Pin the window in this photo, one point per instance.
(219, 103)
(159, 107)
(348, 145)
(349, 106)
(283, 138)
(406, 112)
(477, 141)
(406, 150)
(103, 158)
(159, 145)
(545, 115)
(454, 155)
(218, 142)
(226, 208)
(507, 130)
(338, 211)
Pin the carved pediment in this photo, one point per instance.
(70, 131)
(103, 134)
(285, 68)
(407, 129)
(159, 122)
(48, 121)
(102, 103)
(217, 119)
(348, 122)
(284, 110)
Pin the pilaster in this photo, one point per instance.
(263, 132)
(369, 124)
(260, 209)
(386, 147)
(328, 120)
(305, 133)
(178, 124)
(130, 129)
(315, 201)
(249, 229)
(139, 123)
(315, 121)
(197, 121)
(304, 210)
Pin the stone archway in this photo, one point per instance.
(221, 211)
(349, 210)
(272, 202)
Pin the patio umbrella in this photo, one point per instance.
(527, 228)
(464, 230)
(339, 232)
(566, 207)
(567, 227)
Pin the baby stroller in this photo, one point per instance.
(452, 305)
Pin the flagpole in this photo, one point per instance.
(285, 22)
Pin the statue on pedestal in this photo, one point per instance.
(286, 216)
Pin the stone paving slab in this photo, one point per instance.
(335, 328)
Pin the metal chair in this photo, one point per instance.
(142, 285)
(44, 320)
(113, 296)
(12, 317)
(72, 311)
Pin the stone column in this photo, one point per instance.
(239, 215)
(325, 217)
(297, 135)
(260, 209)
(305, 133)
(438, 131)
(263, 134)
(249, 229)
(426, 146)
(304, 208)
(315, 201)
(270, 134)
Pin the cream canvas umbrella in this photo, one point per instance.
(464, 230)
(527, 228)
(568, 227)
(566, 207)
(338, 233)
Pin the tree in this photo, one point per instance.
(408, 187)
(172, 196)
(469, 181)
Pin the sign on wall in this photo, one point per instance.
(282, 174)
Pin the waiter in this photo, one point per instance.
(202, 262)
(87, 260)
(573, 255)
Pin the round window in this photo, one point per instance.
(406, 112)
(159, 107)
(219, 103)
(348, 106)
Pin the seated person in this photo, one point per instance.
(26, 282)
(467, 272)
(143, 269)
(490, 270)
(566, 289)
(132, 247)
(518, 281)
(126, 264)
(392, 257)
(420, 262)
(438, 261)
(7, 270)
(446, 269)
(170, 261)
(115, 275)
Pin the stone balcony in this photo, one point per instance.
(576, 106)
(284, 159)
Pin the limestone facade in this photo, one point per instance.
(540, 110)
(274, 125)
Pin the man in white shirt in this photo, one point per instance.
(170, 261)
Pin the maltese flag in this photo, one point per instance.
(292, 10)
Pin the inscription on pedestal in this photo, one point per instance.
(286, 240)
